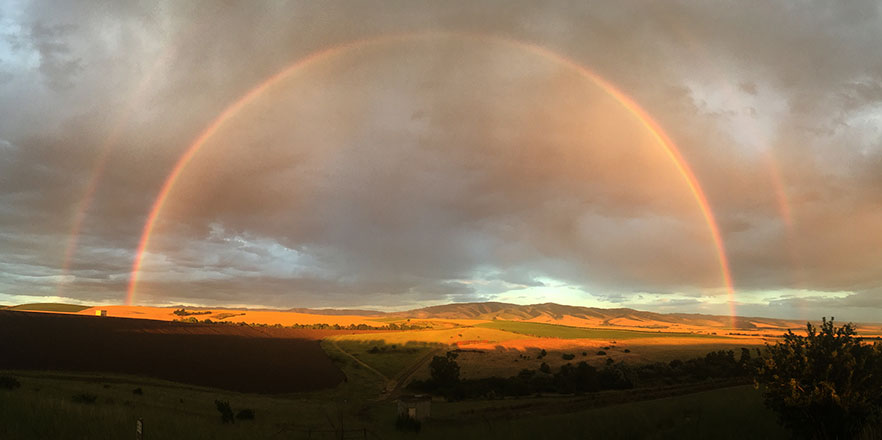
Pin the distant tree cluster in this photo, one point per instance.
(185, 312)
(319, 326)
(826, 384)
(583, 377)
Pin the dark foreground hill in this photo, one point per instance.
(232, 357)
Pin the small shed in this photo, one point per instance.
(416, 407)
(101, 312)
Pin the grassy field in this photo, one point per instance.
(50, 405)
(388, 359)
(57, 406)
(49, 307)
(731, 413)
(441, 336)
(565, 332)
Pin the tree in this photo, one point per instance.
(445, 370)
(824, 385)
(226, 413)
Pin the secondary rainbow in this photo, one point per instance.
(645, 119)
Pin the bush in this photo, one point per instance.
(823, 385)
(85, 398)
(9, 383)
(245, 414)
(138, 391)
(545, 368)
(568, 356)
(627, 350)
(226, 413)
(601, 353)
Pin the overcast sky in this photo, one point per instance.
(452, 164)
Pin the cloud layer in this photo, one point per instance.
(445, 168)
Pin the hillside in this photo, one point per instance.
(590, 316)
(337, 312)
(48, 307)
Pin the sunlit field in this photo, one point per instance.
(569, 332)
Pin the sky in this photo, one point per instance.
(397, 154)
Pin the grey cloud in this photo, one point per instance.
(57, 64)
(396, 175)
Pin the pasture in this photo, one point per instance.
(47, 406)
(329, 379)
(543, 330)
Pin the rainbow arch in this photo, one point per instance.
(627, 102)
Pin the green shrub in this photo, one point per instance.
(825, 384)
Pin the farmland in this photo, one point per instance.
(80, 374)
(543, 330)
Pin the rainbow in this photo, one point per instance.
(104, 156)
(233, 109)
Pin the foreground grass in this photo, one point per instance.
(566, 332)
(730, 413)
(45, 407)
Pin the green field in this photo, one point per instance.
(388, 359)
(45, 407)
(565, 332)
(49, 307)
(731, 413)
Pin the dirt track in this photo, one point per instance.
(232, 357)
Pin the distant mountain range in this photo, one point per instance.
(563, 314)
(337, 312)
(620, 317)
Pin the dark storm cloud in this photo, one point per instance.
(440, 171)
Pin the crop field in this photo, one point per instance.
(463, 335)
(566, 332)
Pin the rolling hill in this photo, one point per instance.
(590, 316)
